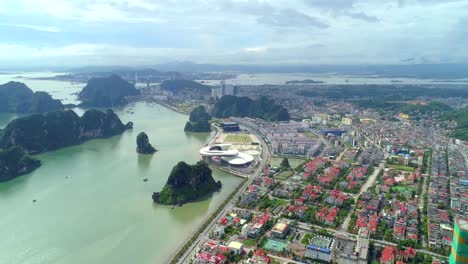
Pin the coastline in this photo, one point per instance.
(177, 254)
(197, 232)
(171, 107)
(189, 247)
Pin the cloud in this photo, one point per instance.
(137, 32)
(331, 4)
(33, 27)
(132, 11)
(342, 8)
(363, 16)
(290, 18)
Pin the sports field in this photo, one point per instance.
(275, 245)
(238, 138)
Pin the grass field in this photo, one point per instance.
(249, 242)
(402, 188)
(310, 135)
(306, 239)
(284, 175)
(238, 138)
(401, 167)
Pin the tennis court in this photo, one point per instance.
(275, 245)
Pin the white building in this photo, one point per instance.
(320, 248)
(222, 90)
(224, 152)
(347, 121)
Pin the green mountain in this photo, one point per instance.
(16, 97)
(461, 117)
(44, 132)
(198, 120)
(15, 162)
(107, 92)
(143, 145)
(179, 86)
(262, 108)
(187, 183)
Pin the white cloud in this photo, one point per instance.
(33, 27)
(92, 11)
(240, 31)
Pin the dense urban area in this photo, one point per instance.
(355, 174)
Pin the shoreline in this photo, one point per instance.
(197, 231)
(169, 106)
(184, 252)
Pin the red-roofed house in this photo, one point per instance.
(223, 221)
(388, 255)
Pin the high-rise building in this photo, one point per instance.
(222, 90)
(347, 121)
(459, 254)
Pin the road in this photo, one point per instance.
(305, 227)
(230, 205)
(283, 260)
(370, 181)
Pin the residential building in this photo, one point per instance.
(320, 248)
(459, 254)
(280, 230)
(236, 247)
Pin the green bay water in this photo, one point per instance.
(93, 205)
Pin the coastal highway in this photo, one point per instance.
(205, 233)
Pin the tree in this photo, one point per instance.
(285, 163)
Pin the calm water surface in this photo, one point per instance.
(93, 205)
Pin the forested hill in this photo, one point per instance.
(187, 183)
(262, 108)
(15, 162)
(16, 97)
(198, 120)
(44, 132)
(383, 92)
(179, 86)
(107, 92)
(461, 117)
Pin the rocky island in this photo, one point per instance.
(198, 120)
(143, 145)
(39, 133)
(262, 108)
(306, 81)
(187, 183)
(16, 97)
(107, 92)
(15, 162)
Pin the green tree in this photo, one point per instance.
(285, 163)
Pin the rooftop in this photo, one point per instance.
(280, 227)
(462, 223)
(235, 245)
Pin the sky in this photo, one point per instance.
(148, 32)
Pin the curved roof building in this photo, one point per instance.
(231, 156)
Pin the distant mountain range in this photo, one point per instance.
(434, 71)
